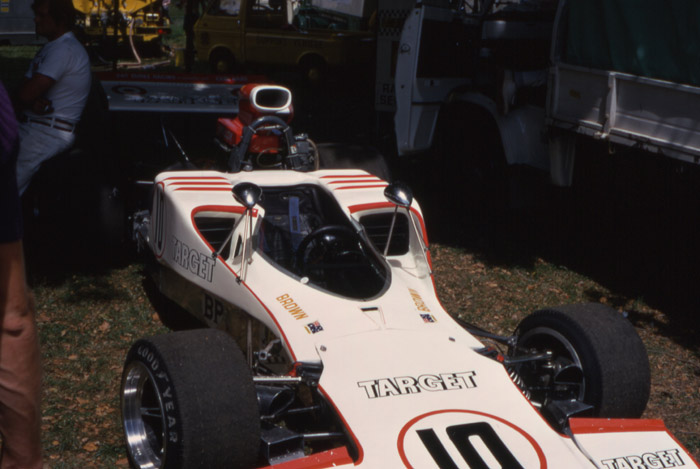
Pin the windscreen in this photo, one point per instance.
(306, 234)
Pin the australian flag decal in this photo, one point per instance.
(314, 327)
(428, 317)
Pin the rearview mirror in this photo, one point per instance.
(399, 194)
(247, 194)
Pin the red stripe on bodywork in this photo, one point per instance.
(581, 426)
(362, 187)
(217, 208)
(360, 452)
(269, 313)
(199, 183)
(210, 189)
(194, 178)
(326, 459)
(355, 181)
(345, 176)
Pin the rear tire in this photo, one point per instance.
(468, 167)
(616, 377)
(188, 401)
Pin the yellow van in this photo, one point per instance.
(312, 34)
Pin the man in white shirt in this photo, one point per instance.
(54, 91)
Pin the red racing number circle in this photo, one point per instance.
(451, 438)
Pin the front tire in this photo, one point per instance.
(598, 359)
(223, 61)
(188, 401)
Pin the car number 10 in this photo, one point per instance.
(465, 438)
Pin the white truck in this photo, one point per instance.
(516, 82)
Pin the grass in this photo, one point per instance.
(14, 61)
(87, 322)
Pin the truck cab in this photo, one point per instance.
(471, 58)
(501, 83)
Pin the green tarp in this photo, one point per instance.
(652, 38)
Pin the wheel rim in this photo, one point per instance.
(561, 377)
(143, 418)
(221, 66)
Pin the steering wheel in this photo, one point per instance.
(330, 245)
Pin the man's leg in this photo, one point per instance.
(37, 145)
(20, 366)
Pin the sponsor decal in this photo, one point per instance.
(655, 460)
(314, 327)
(428, 318)
(291, 306)
(402, 385)
(418, 300)
(200, 264)
(213, 309)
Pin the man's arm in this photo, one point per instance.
(30, 95)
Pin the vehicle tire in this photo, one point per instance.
(222, 61)
(615, 376)
(468, 148)
(351, 156)
(467, 166)
(188, 401)
(314, 69)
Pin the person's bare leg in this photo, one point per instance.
(20, 366)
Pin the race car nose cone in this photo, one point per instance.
(399, 193)
(247, 194)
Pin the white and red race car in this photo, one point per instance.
(327, 346)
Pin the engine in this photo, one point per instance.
(260, 136)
